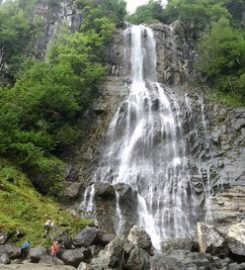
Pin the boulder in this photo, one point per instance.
(4, 259)
(46, 259)
(186, 260)
(36, 253)
(178, 244)
(64, 241)
(10, 250)
(140, 238)
(101, 262)
(71, 190)
(75, 256)
(84, 266)
(86, 237)
(3, 237)
(104, 238)
(138, 260)
(114, 252)
(209, 240)
(235, 237)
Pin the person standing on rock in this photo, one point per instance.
(54, 249)
(24, 249)
(48, 225)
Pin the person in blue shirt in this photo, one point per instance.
(24, 249)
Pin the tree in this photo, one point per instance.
(222, 57)
(14, 32)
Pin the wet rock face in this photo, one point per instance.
(106, 207)
(175, 57)
(115, 55)
(105, 202)
(127, 200)
(53, 14)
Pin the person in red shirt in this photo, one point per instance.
(54, 249)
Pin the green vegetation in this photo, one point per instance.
(148, 13)
(25, 210)
(44, 94)
(222, 58)
(43, 101)
(216, 30)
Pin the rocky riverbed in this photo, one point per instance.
(213, 247)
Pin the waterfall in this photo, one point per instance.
(145, 147)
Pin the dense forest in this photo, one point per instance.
(44, 95)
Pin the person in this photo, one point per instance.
(48, 225)
(24, 249)
(54, 249)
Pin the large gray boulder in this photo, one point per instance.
(86, 237)
(100, 262)
(4, 259)
(209, 240)
(112, 257)
(64, 241)
(36, 253)
(71, 190)
(10, 250)
(140, 238)
(114, 252)
(104, 238)
(138, 260)
(235, 237)
(75, 256)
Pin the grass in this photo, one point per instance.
(25, 210)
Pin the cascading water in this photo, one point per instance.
(145, 147)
